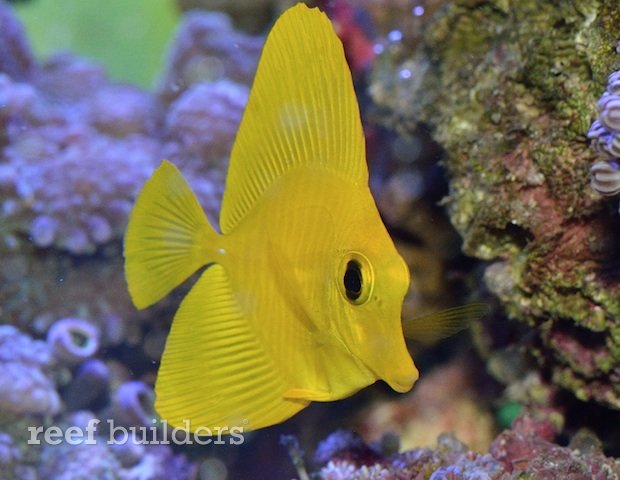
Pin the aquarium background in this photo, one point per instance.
(128, 38)
(476, 116)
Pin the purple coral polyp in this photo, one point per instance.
(613, 83)
(207, 132)
(72, 155)
(606, 178)
(73, 340)
(605, 136)
(609, 111)
(133, 403)
(43, 230)
(24, 385)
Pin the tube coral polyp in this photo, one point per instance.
(605, 136)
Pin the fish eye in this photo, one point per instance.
(355, 279)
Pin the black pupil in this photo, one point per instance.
(353, 280)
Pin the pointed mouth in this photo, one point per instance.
(402, 385)
(395, 366)
(400, 376)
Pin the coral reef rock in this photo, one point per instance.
(509, 92)
(605, 135)
(25, 385)
(443, 401)
(75, 149)
(525, 451)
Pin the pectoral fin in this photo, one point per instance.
(431, 328)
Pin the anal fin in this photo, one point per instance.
(307, 395)
(214, 371)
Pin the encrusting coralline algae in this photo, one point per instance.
(525, 451)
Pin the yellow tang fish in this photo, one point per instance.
(301, 296)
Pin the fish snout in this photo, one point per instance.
(395, 367)
(402, 379)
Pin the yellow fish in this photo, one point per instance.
(301, 295)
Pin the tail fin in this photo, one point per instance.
(168, 237)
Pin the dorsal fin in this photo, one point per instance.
(302, 110)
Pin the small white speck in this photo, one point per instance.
(377, 48)
(405, 73)
(418, 10)
(395, 36)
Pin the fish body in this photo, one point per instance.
(301, 293)
(303, 279)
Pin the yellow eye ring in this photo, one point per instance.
(355, 278)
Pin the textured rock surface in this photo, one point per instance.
(510, 91)
(526, 451)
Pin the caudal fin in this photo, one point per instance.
(167, 237)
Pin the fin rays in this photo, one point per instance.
(430, 328)
(218, 369)
(167, 230)
(214, 372)
(302, 111)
